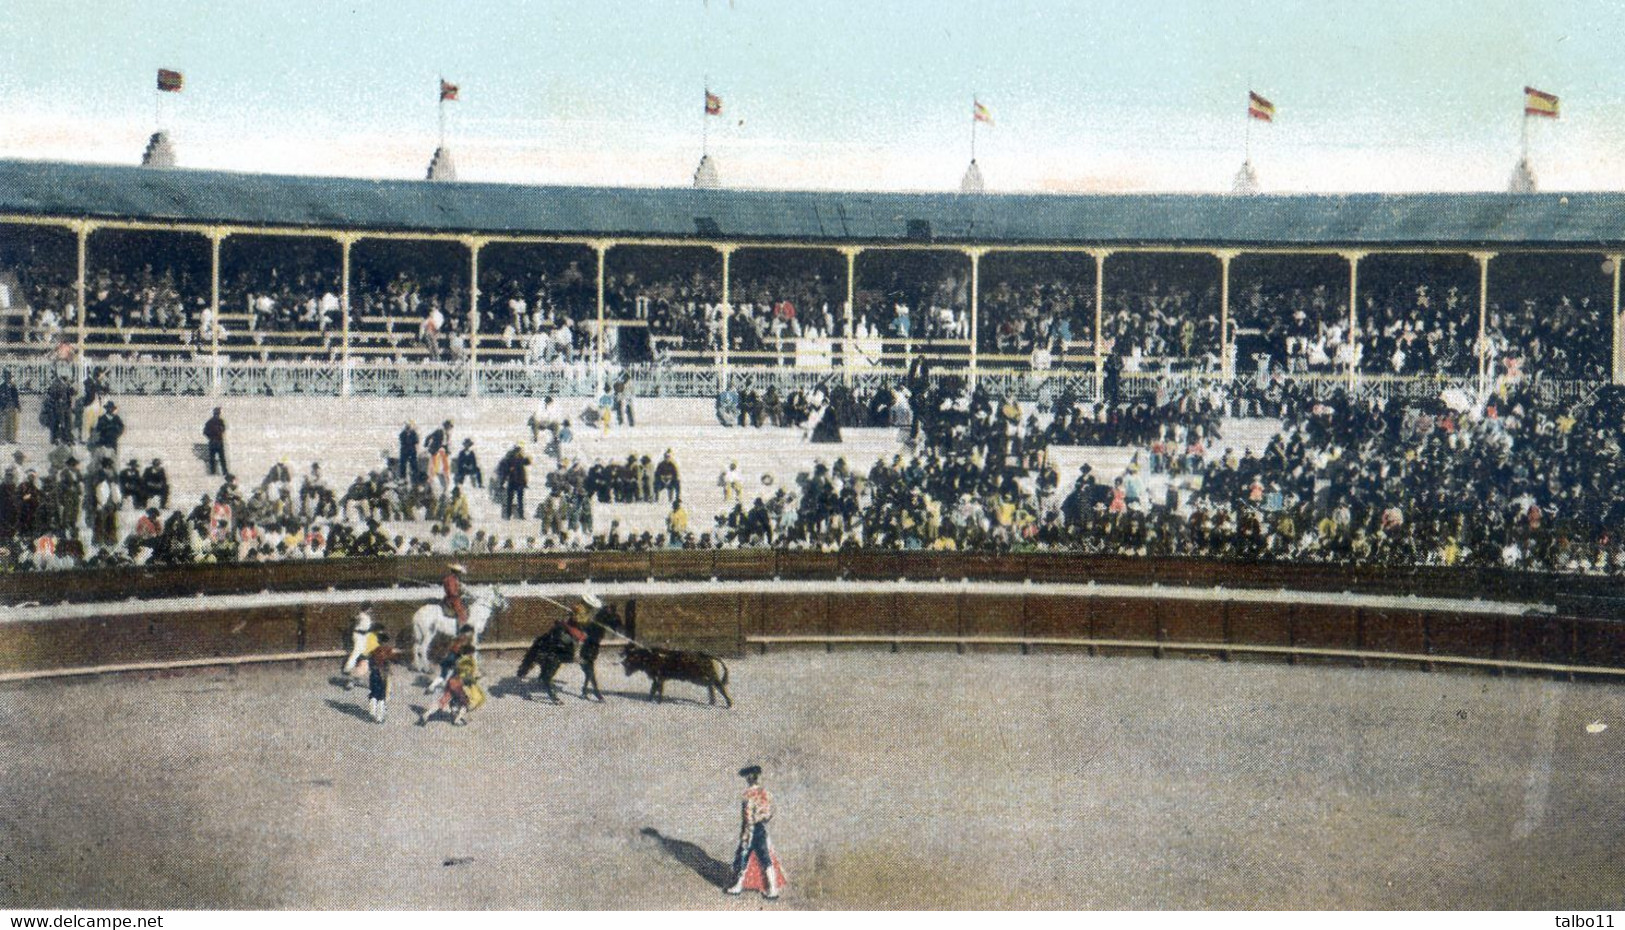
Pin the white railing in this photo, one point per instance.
(33, 373)
(324, 379)
(158, 378)
(518, 379)
(420, 379)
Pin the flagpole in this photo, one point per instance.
(705, 121)
(1247, 134)
(441, 93)
(973, 129)
(1524, 141)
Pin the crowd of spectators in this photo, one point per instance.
(1296, 329)
(1157, 324)
(1502, 480)
(541, 314)
(1414, 329)
(1561, 338)
(773, 309)
(923, 300)
(1040, 320)
(149, 298)
(682, 307)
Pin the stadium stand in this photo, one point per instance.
(1155, 375)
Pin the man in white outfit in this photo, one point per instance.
(358, 638)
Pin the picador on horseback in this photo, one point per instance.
(557, 647)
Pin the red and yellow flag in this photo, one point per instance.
(448, 90)
(1259, 108)
(170, 81)
(979, 113)
(713, 104)
(1539, 103)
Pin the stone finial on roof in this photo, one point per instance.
(972, 182)
(441, 166)
(1246, 182)
(160, 151)
(1523, 178)
(705, 176)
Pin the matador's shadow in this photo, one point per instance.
(712, 870)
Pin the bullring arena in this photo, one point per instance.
(1006, 695)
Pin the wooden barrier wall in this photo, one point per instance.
(728, 622)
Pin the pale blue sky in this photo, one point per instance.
(832, 93)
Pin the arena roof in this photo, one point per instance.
(49, 189)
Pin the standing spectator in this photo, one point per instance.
(562, 438)
(514, 480)
(96, 387)
(429, 331)
(623, 400)
(10, 405)
(215, 432)
(409, 452)
(468, 466)
(70, 491)
(109, 429)
(56, 413)
(108, 499)
(8, 504)
(439, 439)
(733, 484)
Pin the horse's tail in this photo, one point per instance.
(533, 656)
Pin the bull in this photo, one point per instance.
(661, 664)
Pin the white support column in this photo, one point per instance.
(602, 248)
(727, 303)
(1100, 310)
(346, 240)
(82, 232)
(848, 345)
(475, 244)
(217, 235)
(1227, 358)
(975, 301)
(1482, 342)
(1619, 326)
(1353, 258)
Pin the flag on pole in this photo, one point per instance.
(1260, 109)
(980, 113)
(1539, 103)
(170, 81)
(713, 104)
(448, 90)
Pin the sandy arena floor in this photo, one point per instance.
(921, 780)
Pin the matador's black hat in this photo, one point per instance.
(750, 771)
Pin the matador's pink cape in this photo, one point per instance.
(754, 880)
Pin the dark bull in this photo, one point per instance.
(698, 668)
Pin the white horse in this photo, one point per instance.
(431, 620)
